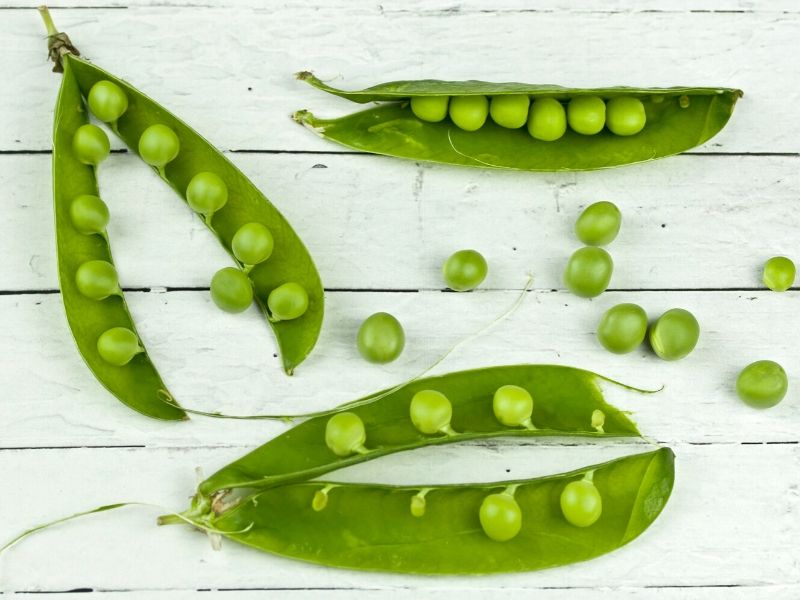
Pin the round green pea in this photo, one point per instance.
(231, 290)
(762, 384)
(252, 244)
(622, 328)
(107, 101)
(598, 224)
(586, 114)
(674, 335)
(581, 503)
(625, 115)
(118, 345)
(779, 273)
(159, 145)
(501, 517)
(89, 214)
(510, 111)
(288, 301)
(512, 405)
(588, 272)
(381, 338)
(91, 144)
(464, 270)
(431, 411)
(469, 112)
(97, 279)
(345, 434)
(206, 193)
(430, 108)
(547, 120)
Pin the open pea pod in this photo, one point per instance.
(677, 119)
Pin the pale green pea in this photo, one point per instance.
(97, 279)
(510, 111)
(464, 270)
(118, 345)
(107, 101)
(581, 503)
(762, 384)
(231, 290)
(469, 112)
(588, 272)
(381, 338)
(586, 114)
(431, 412)
(598, 224)
(159, 145)
(779, 273)
(500, 517)
(513, 406)
(287, 302)
(622, 328)
(252, 244)
(345, 434)
(547, 120)
(430, 108)
(206, 193)
(674, 335)
(89, 214)
(625, 115)
(91, 144)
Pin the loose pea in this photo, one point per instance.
(500, 516)
(97, 279)
(675, 334)
(206, 193)
(89, 214)
(107, 101)
(288, 301)
(464, 270)
(779, 273)
(622, 328)
(513, 406)
(252, 244)
(381, 338)
(625, 115)
(159, 145)
(598, 224)
(430, 108)
(548, 119)
(118, 345)
(345, 434)
(581, 503)
(91, 144)
(762, 384)
(586, 114)
(588, 272)
(431, 412)
(510, 111)
(469, 112)
(231, 290)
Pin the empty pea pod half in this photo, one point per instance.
(524, 126)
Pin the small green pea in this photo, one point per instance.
(107, 101)
(252, 244)
(510, 111)
(598, 224)
(500, 516)
(547, 120)
(97, 279)
(586, 114)
(675, 334)
(622, 328)
(762, 384)
(779, 273)
(418, 505)
(431, 412)
(430, 108)
(625, 115)
(588, 272)
(581, 503)
(91, 144)
(469, 112)
(287, 302)
(206, 193)
(381, 338)
(118, 345)
(513, 406)
(231, 290)
(464, 270)
(345, 434)
(159, 145)
(89, 214)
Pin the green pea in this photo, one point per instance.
(430, 108)
(91, 145)
(287, 302)
(89, 214)
(231, 290)
(779, 273)
(381, 338)
(762, 384)
(675, 334)
(431, 412)
(586, 114)
(622, 328)
(581, 503)
(97, 279)
(252, 244)
(598, 224)
(345, 434)
(500, 516)
(464, 270)
(159, 145)
(547, 120)
(107, 101)
(469, 112)
(588, 272)
(513, 406)
(206, 193)
(118, 345)
(625, 115)
(510, 111)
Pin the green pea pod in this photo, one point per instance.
(677, 119)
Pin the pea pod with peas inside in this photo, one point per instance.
(482, 124)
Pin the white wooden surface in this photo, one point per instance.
(697, 228)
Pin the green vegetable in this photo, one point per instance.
(469, 112)
(90, 144)
(107, 101)
(231, 290)
(158, 146)
(464, 270)
(588, 272)
(97, 279)
(430, 108)
(345, 434)
(513, 406)
(89, 214)
(381, 338)
(252, 244)
(622, 328)
(581, 503)
(674, 335)
(547, 120)
(501, 516)
(586, 114)
(625, 115)
(287, 302)
(779, 273)
(510, 111)
(431, 412)
(206, 194)
(118, 345)
(762, 384)
(598, 224)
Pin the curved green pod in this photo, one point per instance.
(678, 119)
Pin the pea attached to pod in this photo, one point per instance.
(252, 244)
(89, 214)
(625, 115)
(345, 434)
(510, 111)
(547, 120)
(381, 338)
(431, 412)
(158, 146)
(91, 144)
(206, 193)
(118, 345)
(581, 503)
(97, 279)
(501, 516)
(231, 290)
(287, 302)
(586, 114)
(430, 108)
(469, 112)
(513, 406)
(107, 101)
